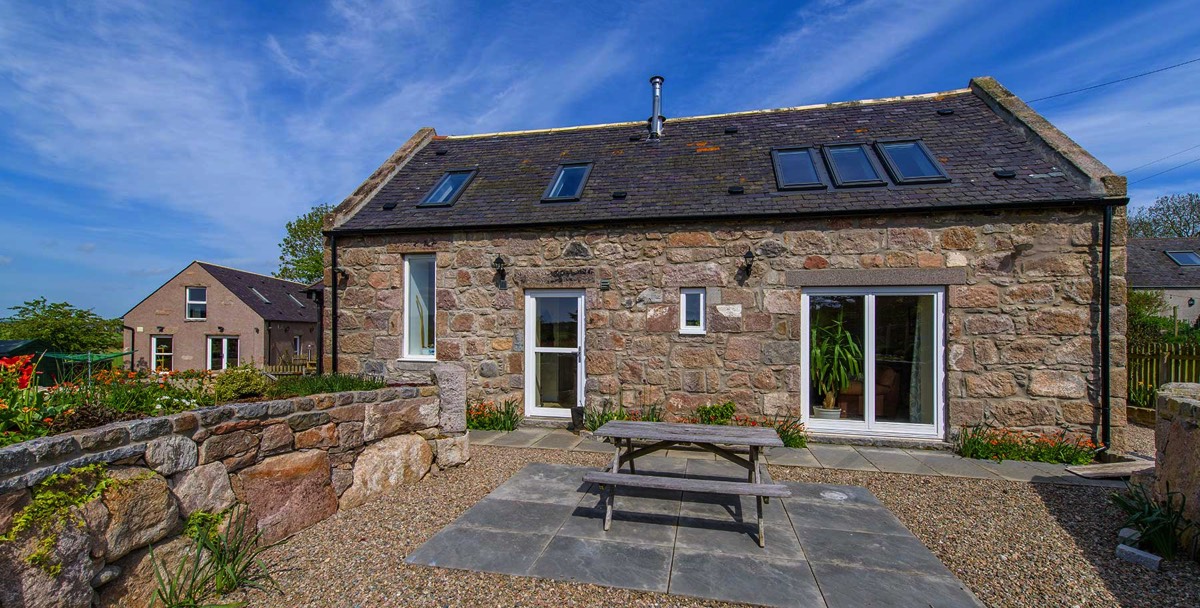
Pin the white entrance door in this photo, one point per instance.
(554, 376)
(877, 368)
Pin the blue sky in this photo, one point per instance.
(138, 136)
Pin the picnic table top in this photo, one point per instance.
(690, 433)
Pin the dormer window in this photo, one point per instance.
(909, 162)
(449, 188)
(850, 165)
(796, 169)
(1185, 258)
(568, 182)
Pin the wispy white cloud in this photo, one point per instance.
(5, 260)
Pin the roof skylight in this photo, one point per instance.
(449, 188)
(851, 166)
(260, 295)
(295, 300)
(1185, 258)
(568, 182)
(910, 162)
(796, 169)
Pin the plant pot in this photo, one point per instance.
(827, 413)
(576, 419)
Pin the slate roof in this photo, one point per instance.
(688, 172)
(280, 307)
(1150, 268)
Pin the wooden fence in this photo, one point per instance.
(295, 367)
(1153, 365)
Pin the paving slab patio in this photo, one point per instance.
(827, 456)
(827, 545)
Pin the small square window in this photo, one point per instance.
(1185, 258)
(850, 165)
(910, 162)
(796, 169)
(197, 304)
(449, 188)
(691, 310)
(568, 183)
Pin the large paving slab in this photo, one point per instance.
(840, 457)
(827, 545)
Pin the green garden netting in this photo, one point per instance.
(86, 357)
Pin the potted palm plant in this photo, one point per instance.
(834, 362)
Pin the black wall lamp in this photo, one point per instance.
(748, 258)
(501, 275)
(1191, 302)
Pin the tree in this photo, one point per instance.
(62, 327)
(302, 251)
(1176, 215)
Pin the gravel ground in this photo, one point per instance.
(1014, 544)
(1139, 440)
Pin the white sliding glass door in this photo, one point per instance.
(873, 360)
(554, 331)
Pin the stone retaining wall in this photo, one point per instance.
(291, 462)
(1177, 446)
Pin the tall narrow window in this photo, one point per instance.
(910, 162)
(449, 188)
(796, 169)
(851, 166)
(197, 303)
(568, 183)
(691, 310)
(419, 306)
(163, 348)
(296, 345)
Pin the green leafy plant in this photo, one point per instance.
(226, 556)
(717, 413)
(301, 386)
(789, 428)
(53, 508)
(835, 359)
(1002, 444)
(594, 418)
(1143, 395)
(1160, 524)
(488, 416)
(186, 585)
(241, 382)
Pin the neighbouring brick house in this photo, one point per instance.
(957, 237)
(1171, 266)
(214, 317)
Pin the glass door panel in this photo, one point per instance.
(554, 361)
(836, 357)
(904, 359)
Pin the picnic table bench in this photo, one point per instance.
(713, 438)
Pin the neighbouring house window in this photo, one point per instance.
(222, 352)
(1185, 258)
(449, 188)
(163, 348)
(419, 306)
(851, 166)
(296, 345)
(910, 162)
(568, 182)
(691, 310)
(796, 169)
(197, 303)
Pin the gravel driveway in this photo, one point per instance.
(1014, 544)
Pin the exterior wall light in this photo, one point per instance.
(501, 275)
(749, 259)
(1191, 302)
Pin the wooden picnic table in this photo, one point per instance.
(717, 439)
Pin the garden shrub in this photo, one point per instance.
(302, 386)
(487, 416)
(719, 413)
(1002, 444)
(241, 382)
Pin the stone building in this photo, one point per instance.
(959, 241)
(1170, 266)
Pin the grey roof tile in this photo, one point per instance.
(1150, 267)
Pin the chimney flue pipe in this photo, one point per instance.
(656, 117)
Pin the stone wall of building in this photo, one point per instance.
(1177, 447)
(291, 462)
(1022, 317)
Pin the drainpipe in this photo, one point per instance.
(1105, 334)
(333, 318)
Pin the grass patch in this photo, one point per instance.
(1002, 444)
(302, 386)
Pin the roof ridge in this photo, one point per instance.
(265, 276)
(832, 104)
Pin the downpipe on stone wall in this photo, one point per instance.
(1105, 334)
